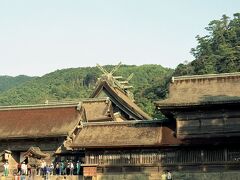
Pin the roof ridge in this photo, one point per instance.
(52, 104)
(205, 76)
(36, 106)
(122, 123)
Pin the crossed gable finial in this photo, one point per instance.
(116, 80)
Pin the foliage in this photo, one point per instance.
(76, 83)
(217, 52)
(7, 82)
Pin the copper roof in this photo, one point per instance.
(121, 99)
(124, 134)
(203, 89)
(38, 121)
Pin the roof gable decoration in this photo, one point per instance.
(120, 95)
(116, 81)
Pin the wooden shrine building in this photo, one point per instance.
(52, 127)
(115, 139)
(205, 110)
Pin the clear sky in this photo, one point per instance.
(38, 37)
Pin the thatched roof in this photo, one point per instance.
(50, 120)
(124, 134)
(38, 121)
(35, 152)
(121, 99)
(202, 90)
(97, 110)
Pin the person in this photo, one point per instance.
(43, 167)
(169, 175)
(19, 169)
(62, 168)
(51, 169)
(164, 176)
(68, 168)
(57, 169)
(78, 166)
(6, 168)
(71, 168)
(29, 170)
(47, 171)
(24, 168)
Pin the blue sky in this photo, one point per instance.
(38, 37)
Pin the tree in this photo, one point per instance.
(217, 52)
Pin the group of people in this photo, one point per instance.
(23, 169)
(59, 168)
(44, 169)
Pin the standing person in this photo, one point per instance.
(19, 169)
(51, 169)
(47, 171)
(29, 170)
(71, 168)
(57, 169)
(169, 175)
(68, 168)
(42, 167)
(62, 168)
(65, 167)
(24, 168)
(78, 166)
(6, 168)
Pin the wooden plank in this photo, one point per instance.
(89, 171)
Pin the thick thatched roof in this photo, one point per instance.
(202, 90)
(38, 121)
(36, 153)
(97, 110)
(50, 120)
(121, 99)
(124, 134)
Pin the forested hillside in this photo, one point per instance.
(218, 51)
(149, 84)
(7, 82)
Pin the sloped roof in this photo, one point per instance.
(97, 110)
(203, 89)
(38, 121)
(35, 152)
(124, 134)
(50, 120)
(121, 99)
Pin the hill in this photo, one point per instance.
(8, 82)
(149, 84)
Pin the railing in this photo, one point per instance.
(164, 157)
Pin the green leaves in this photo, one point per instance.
(217, 52)
(149, 84)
